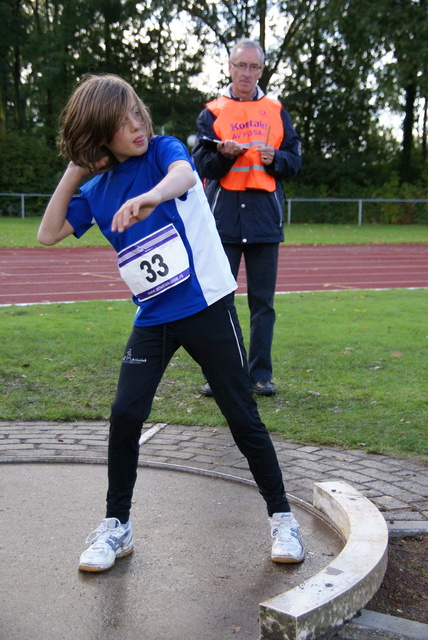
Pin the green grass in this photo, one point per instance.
(21, 232)
(350, 368)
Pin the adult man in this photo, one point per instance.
(258, 148)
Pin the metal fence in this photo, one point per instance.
(359, 202)
(10, 209)
(19, 211)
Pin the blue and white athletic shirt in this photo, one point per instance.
(173, 261)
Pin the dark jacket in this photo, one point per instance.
(252, 215)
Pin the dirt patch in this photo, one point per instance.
(404, 590)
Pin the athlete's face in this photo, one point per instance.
(130, 139)
(245, 70)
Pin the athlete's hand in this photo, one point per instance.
(76, 172)
(106, 160)
(134, 210)
(106, 163)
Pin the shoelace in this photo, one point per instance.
(285, 533)
(102, 528)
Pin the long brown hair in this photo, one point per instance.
(94, 112)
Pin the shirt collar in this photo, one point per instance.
(258, 93)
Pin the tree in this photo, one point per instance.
(336, 64)
(397, 30)
(12, 34)
(67, 38)
(328, 90)
(322, 82)
(409, 23)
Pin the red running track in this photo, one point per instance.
(55, 274)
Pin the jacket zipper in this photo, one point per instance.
(216, 197)
(281, 213)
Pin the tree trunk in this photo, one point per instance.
(424, 132)
(407, 146)
(17, 111)
(262, 23)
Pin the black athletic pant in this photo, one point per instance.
(261, 268)
(213, 338)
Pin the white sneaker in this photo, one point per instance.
(109, 541)
(287, 545)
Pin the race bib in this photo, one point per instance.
(155, 263)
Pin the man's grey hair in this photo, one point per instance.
(246, 42)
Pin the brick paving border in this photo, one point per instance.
(397, 486)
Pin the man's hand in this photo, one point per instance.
(231, 149)
(267, 154)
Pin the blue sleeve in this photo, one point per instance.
(288, 158)
(79, 215)
(168, 150)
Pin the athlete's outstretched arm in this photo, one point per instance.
(179, 179)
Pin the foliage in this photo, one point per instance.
(336, 64)
(28, 166)
(396, 29)
(402, 213)
(64, 40)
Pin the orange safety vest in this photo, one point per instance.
(250, 122)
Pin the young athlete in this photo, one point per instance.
(148, 201)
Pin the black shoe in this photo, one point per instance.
(205, 390)
(264, 388)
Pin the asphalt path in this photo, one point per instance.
(55, 274)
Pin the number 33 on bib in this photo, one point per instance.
(155, 264)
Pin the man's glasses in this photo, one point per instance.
(243, 66)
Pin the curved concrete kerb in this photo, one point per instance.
(335, 594)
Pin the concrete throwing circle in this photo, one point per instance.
(200, 568)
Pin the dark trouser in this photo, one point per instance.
(213, 339)
(261, 266)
